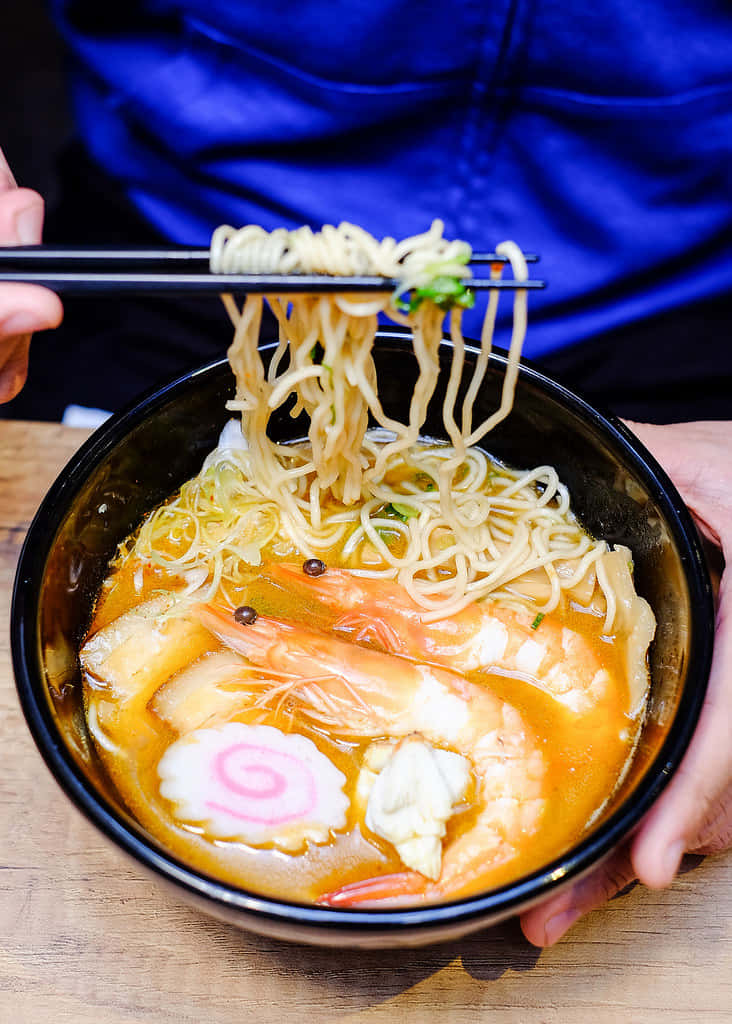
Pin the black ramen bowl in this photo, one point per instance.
(139, 457)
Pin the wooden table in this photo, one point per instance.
(86, 937)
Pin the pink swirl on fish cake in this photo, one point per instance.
(296, 790)
(255, 784)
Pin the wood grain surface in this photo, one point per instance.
(86, 937)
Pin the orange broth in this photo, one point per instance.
(586, 756)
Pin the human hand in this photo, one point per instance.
(24, 308)
(694, 813)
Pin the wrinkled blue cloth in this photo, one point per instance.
(598, 135)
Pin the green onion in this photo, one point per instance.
(425, 481)
(403, 512)
(445, 292)
(537, 621)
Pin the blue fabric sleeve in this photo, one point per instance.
(598, 135)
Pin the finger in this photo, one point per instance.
(695, 812)
(546, 924)
(25, 308)
(696, 457)
(7, 179)
(14, 369)
(21, 217)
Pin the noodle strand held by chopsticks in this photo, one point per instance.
(331, 370)
(469, 527)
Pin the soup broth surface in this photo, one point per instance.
(585, 753)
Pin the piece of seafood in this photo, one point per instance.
(255, 784)
(357, 692)
(482, 636)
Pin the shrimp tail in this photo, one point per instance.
(405, 886)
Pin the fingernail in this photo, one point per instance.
(556, 926)
(671, 859)
(29, 224)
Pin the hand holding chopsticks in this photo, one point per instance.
(22, 309)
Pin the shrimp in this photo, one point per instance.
(358, 692)
(481, 636)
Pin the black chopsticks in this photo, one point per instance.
(180, 270)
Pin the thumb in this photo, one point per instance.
(695, 812)
(546, 924)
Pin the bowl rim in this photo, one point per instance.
(497, 903)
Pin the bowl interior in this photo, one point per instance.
(138, 459)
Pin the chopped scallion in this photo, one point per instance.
(403, 512)
(425, 481)
(445, 292)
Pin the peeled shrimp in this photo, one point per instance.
(358, 692)
(481, 636)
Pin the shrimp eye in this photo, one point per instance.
(245, 615)
(314, 567)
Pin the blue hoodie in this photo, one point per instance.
(599, 135)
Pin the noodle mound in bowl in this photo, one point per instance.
(138, 459)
